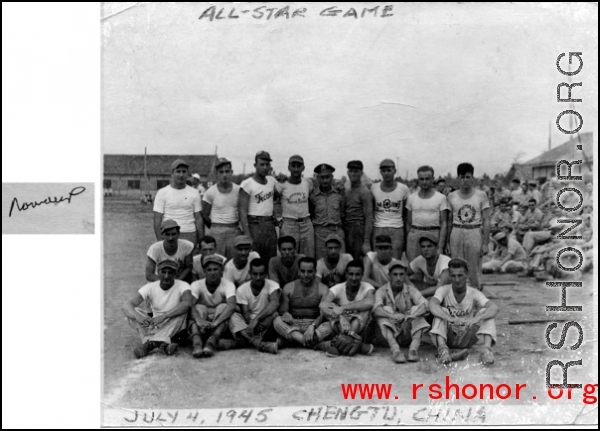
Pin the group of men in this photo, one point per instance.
(339, 260)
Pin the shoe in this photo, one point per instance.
(366, 349)
(413, 356)
(398, 357)
(444, 356)
(487, 357)
(268, 347)
(144, 349)
(460, 355)
(225, 344)
(197, 346)
(209, 347)
(322, 345)
(169, 349)
(332, 352)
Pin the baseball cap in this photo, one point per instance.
(324, 167)
(242, 240)
(213, 258)
(333, 237)
(296, 158)
(221, 161)
(355, 164)
(428, 236)
(533, 183)
(168, 224)
(167, 264)
(499, 236)
(387, 163)
(263, 155)
(383, 240)
(178, 163)
(398, 263)
(196, 176)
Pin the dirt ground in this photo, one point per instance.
(294, 377)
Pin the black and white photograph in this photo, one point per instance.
(348, 213)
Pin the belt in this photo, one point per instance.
(329, 226)
(467, 226)
(224, 224)
(297, 220)
(426, 227)
(261, 218)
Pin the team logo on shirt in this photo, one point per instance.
(388, 205)
(466, 214)
(260, 197)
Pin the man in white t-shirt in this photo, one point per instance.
(469, 228)
(256, 207)
(389, 197)
(462, 314)
(181, 203)
(430, 269)
(214, 305)
(331, 269)
(258, 300)
(347, 307)
(378, 262)
(399, 309)
(172, 248)
(169, 300)
(237, 270)
(294, 194)
(220, 209)
(208, 247)
(427, 211)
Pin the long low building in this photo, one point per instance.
(124, 173)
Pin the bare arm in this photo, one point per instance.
(449, 235)
(151, 269)
(199, 225)
(435, 307)
(206, 210)
(187, 267)
(491, 310)
(244, 202)
(368, 269)
(284, 304)
(158, 218)
(129, 309)
(187, 299)
(486, 231)
(227, 312)
(367, 204)
(443, 231)
(363, 305)
(271, 306)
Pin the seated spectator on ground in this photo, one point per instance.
(171, 248)
(300, 321)
(509, 257)
(430, 270)
(283, 269)
(532, 220)
(208, 247)
(462, 315)
(237, 270)
(347, 307)
(533, 238)
(331, 269)
(378, 262)
(501, 216)
(258, 300)
(169, 299)
(399, 309)
(214, 304)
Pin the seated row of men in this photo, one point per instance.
(309, 313)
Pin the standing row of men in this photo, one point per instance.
(313, 212)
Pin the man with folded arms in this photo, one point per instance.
(399, 309)
(331, 269)
(358, 223)
(427, 211)
(348, 306)
(220, 209)
(214, 304)
(469, 230)
(462, 314)
(509, 257)
(326, 205)
(180, 202)
(377, 263)
(294, 193)
(170, 300)
(256, 208)
(430, 269)
(171, 248)
(258, 300)
(237, 270)
(532, 221)
(300, 319)
(283, 269)
(390, 207)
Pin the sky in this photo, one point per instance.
(435, 84)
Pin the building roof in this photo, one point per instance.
(567, 151)
(133, 164)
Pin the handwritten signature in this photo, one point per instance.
(49, 200)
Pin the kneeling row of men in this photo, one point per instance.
(308, 313)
